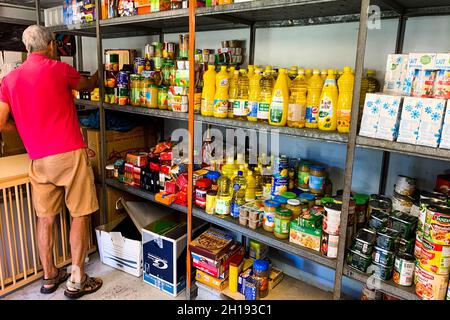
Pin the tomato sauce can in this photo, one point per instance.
(437, 225)
(329, 245)
(435, 257)
(404, 270)
(418, 246)
(430, 286)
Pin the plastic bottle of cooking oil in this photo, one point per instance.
(344, 106)
(239, 191)
(221, 97)
(258, 182)
(315, 86)
(280, 101)
(327, 119)
(232, 93)
(250, 193)
(364, 89)
(240, 108)
(323, 74)
(223, 198)
(297, 101)
(308, 74)
(293, 72)
(253, 96)
(265, 98)
(209, 91)
(229, 167)
(374, 85)
(267, 182)
(251, 71)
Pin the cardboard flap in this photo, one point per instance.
(116, 238)
(143, 214)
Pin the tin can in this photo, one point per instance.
(437, 196)
(281, 163)
(405, 186)
(378, 205)
(418, 247)
(280, 184)
(329, 245)
(149, 51)
(122, 79)
(211, 202)
(332, 219)
(378, 220)
(437, 225)
(383, 256)
(424, 204)
(404, 270)
(430, 286)
(435, 257)
(406, 245)
(401, 203)
(365, 240)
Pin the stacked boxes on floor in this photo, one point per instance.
(412, 107)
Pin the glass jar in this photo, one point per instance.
(317, 177)
(135, 86)
(294, 206)
(211, 201)
(283, 218)
(151, 96)
(202, 186)
(282, 201)
(303, 175)
(176, 4)
(270, 207)
(308, 198)
(289, 195)
(261, 273)
(163, 100)
(145, 83)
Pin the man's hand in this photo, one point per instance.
(88, 84)
(6, 125)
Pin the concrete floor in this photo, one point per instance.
(118, 285)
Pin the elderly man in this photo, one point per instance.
(38, 96)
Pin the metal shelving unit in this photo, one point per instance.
(265, 14)
(87, 104)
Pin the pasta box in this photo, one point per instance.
(305, 237)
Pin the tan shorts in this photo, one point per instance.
(67, 175)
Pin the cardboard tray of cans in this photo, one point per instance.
(251, 214)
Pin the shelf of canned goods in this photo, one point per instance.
(263, 14)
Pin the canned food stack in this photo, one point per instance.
(404, 190)
(231, 53)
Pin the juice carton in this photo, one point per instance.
(410, 120)
(396, 71)
(371, 115)
(421, 75)
(431, 122)
(442, 83)
(389, 117)
(445, 138)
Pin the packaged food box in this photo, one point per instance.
(445, 138)
(305, 237)
(310, 220)
(431, 119)
(211, 281)
(442, 83)
(388, 121)
(421, 74)
(275, 277)
(410, 120)
(396, 71)
(371, 115)
(212, 243)
(218, 267)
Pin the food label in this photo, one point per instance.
(280, 185)
(230, 106)
(269, 219)
(282, 226)
(296, 112)
(135, 96)
(220, 107)
(316, 183)
(223, 206)
(253, 109)
(303, 178)
(207, 106)
(240, 107)
(263, 110)
(235, 210)
(267, 189)
(163, 101)
(404, 272)
(326, 111)
(344, 118)
(276, 110)
(311, 114)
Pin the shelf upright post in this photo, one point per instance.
(38, 12)
(192, 9)
(251, 55)
(104, 203)
(387, 155)
(359, 66)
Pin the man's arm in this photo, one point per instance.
(5, 121)
(88, 84)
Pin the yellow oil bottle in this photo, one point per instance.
(209, 91)
(308, 74)
(324, 74)
(315, 86)
(327, 119)
(293, 72)
(345, 83)
(232, 93)
(280, 100)
(253, 96)
(297, 101)
(221, 96)
(265, 98)
(240, 106)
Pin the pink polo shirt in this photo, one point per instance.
(42, 105)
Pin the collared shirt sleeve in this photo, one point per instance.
(72, 76)
(4, 96)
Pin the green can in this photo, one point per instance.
(384, 257)
(358, 260)
(403, 223)
(381, 271)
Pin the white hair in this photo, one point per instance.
(37, 38)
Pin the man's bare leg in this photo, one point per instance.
(79, 239)
(45, 236)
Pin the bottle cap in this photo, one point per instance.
(347, 69)
(240, 173)
(316, 71)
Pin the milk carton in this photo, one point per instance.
(389, 117)
(442, 83)
(421, 75)
(410, 120)
(371, 115)
(396, 71)
(445, 137)
(431, 119)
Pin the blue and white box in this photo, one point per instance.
(445, 137)
(417, 62)
(431, 119)
(410, 120)
(390, 109)
(396, 70)
(371, 115)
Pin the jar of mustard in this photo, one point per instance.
(283, 218)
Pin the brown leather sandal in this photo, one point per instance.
(76, 290)
(54, 282)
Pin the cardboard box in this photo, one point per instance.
(420, 68)
(305, 237)
(211, 281)
(11, 144)
(165, 257)
(445, 137)
(126, 56)
(119, 245)
(442, 84)
(431, 120)
(388, 122)
(410, 120)
(119, 144)
(371, 115)
(14, 56)
(396, 69)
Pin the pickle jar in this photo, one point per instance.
(135, 87)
